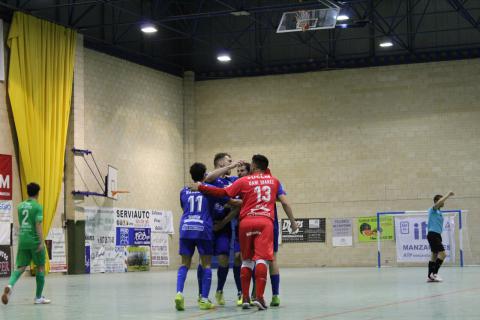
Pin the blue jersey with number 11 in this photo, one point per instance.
(196, 221)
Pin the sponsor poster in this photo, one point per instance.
(113, 234)
(5, 261)
(138, 258)
(6, 220)
(161, 221)
(99, 236)
(411, 238)
(6, 177)
(310, 230)
(56, 250)
(342, 232)
(133, 236)
(367, 228)
(160, 256)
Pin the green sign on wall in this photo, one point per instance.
(368, 231)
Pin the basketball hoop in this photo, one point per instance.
(115, 192)
(303, 20)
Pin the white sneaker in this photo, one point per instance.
(42, 300)
(437, 278)
(6, 294)
(430, 279)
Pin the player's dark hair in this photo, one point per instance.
(261, 162)
(197, 171)
(247, 166)
(33, 189)
(219, 156)
(437, 197)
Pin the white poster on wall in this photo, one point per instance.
(342, 232)
(160, 256)
(6, 220)
(411, 238)
(100, 226)
(161, 221)
(57, 252)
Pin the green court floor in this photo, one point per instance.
(333, 293)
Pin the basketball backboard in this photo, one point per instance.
(309, 19)
(112, 181)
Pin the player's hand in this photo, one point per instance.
(218, 226)
(40, 247)
(236, 164)
(194, 186)
(236, 202)
(451, 194)
(295, 228)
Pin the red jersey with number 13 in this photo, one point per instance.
(258, 192)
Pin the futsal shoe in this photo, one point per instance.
(437, 278)
(42, 300)
(275, 301)
(246, 304)
(206, 304)
(430, 278)
(6, 294)
(239, 299)
(220, 299)
(179, 302)
(260, 303)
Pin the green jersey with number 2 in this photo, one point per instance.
(29, 214)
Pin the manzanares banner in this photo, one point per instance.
(133, 236)
(368, 229)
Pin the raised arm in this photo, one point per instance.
(211, 176)
(288, 210)
(440, 202)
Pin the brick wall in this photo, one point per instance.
(350, 143)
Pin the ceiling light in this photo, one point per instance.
(224, 57)
(342, 17)
(386, 44)
(149, 28)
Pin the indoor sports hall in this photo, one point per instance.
(223, 159)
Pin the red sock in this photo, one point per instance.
(260, 279)
(246, 276)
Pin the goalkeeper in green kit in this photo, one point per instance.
(30, 244)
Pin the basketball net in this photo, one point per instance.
(303, 18)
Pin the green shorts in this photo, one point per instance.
(25, 256)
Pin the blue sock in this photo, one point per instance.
(275, 280)
(236, 275)
(200, 278)
(181, 276)
(222, 273)
(207, 282)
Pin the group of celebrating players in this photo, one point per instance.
(217, 204)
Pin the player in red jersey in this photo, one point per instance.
(259, 193)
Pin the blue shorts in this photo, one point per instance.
(187, 247)
(221, 243)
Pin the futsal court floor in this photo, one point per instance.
(323, 293)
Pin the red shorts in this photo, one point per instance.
(256, 238)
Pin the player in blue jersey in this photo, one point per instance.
(196, 231)
(220, 177)
(434, 237)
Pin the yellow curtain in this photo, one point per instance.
(40, 88)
